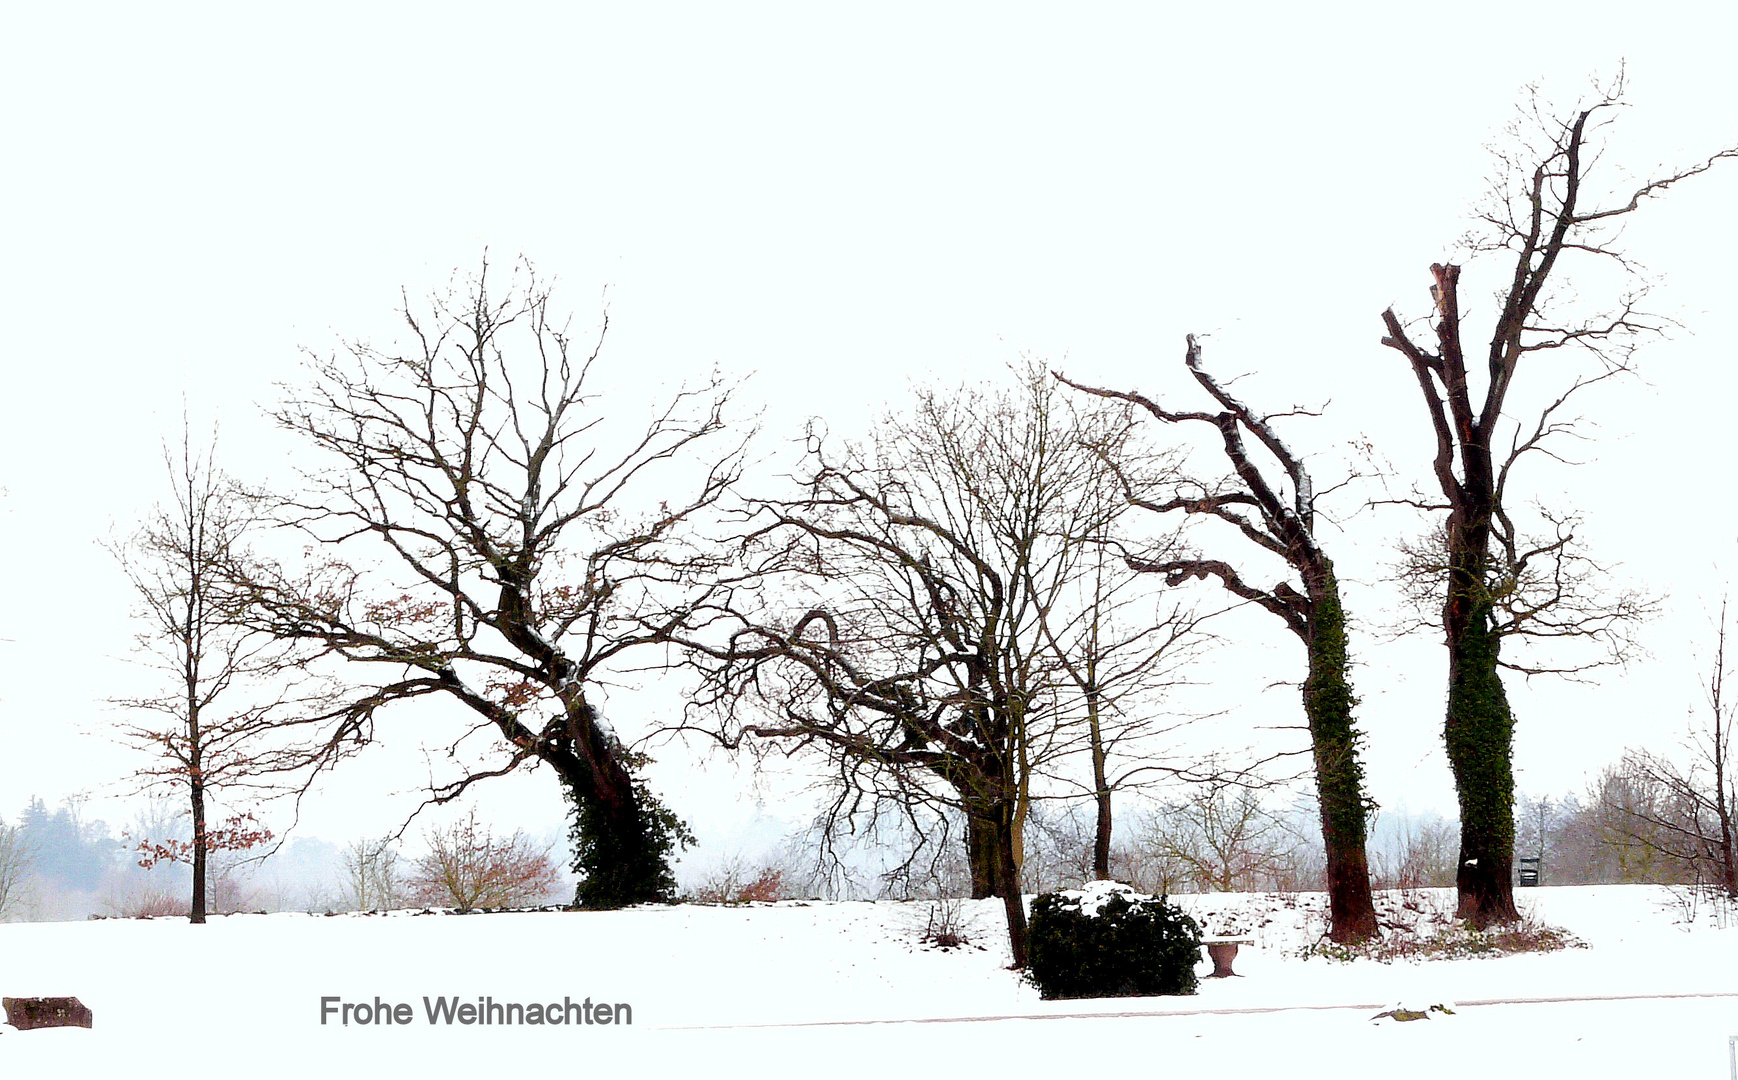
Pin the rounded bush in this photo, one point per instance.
(1107, 940)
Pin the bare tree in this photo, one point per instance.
(15, 860)
(1578, 849)
(1499, 578)
(1121, 651)
(467, 866)
(1538, 820)
(496, 540)
(919, 650)
(1687, 813)
(1223, 836)
(371, 878)
(239, 720)
(1416, 855)
(1626, 809)
(1058, 852)
(1277, 514)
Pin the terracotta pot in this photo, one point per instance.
(1222, 953)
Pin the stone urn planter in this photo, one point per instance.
(1223, 950)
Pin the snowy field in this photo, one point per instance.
(849, 990)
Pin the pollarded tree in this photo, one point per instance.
(1276, 514)
(1496, 577)
(494, 541)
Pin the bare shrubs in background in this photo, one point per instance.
(14, 867)
(1419, 855)
(371, 877)
(467, 866)
(736, 881)
(1220, 837)
(144, 899)
(945, 926)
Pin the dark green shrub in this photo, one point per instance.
(1118, 943)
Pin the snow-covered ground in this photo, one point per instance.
(848, 990)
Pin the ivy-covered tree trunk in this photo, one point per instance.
(1478, 729)
(1328, 703)
(1479, 732)
(623, 836)
(621, 849)
(1538, 217)
(1285, 526)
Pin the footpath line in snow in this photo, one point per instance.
(1155, 1013)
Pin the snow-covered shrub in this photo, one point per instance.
(1107, 940)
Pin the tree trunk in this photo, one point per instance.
(1479, 733)
(1328, 703)
(982, 849)
(621, 843)
(201, 857)
(196, 794)
(190, 641)
(1100, 793)
(622, 836)
(1728, 846)
(1722, 802)
(990, 849)
(1014, 907)
(995, 872)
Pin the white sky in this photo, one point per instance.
(841, 201)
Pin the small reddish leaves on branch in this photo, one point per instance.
(240, 832)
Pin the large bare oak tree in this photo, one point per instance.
(497, 537)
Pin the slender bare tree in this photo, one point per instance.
(494, 540)
(1121, 650)
(240, 720)
(372, 880)
(1277, 514)
(1498, 577)
(1685, 811)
